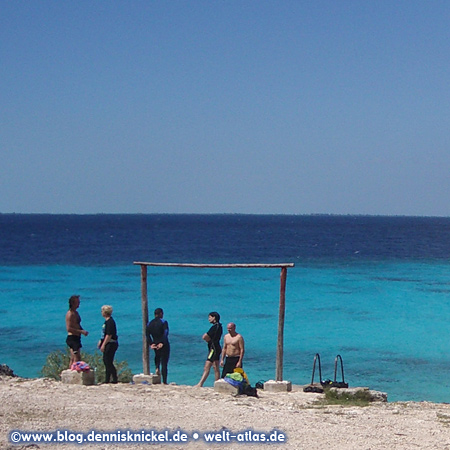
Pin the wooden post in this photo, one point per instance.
(281, 313)
(145, 352)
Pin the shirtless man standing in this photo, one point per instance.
(233, 350)
(74, 329)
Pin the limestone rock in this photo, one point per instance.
(372, 396)
(73, 377)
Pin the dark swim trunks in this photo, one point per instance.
(230, 365)
(74, 342)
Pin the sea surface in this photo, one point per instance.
(375, 290)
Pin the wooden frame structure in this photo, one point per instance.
(281, 309)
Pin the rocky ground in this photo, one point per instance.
(48, 405)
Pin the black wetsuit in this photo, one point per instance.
(158, 333)
(109, 328)
(214, 348)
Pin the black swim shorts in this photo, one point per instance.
(230, 365)
(74, 342)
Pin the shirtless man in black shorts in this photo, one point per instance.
(74, 329)
(233, 350)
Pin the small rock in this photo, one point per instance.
(6, 371)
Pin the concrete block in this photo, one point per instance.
(73, 377)
(225, 388)
(141, 378)
(277, 386)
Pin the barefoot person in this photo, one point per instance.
(74, 329)
(108, 344)
(157, 332)
(212, 337)
(233, 350)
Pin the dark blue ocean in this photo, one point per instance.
(375, 290)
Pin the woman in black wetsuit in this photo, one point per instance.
(108, 344)
(212, 337)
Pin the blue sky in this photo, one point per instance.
(292, 107)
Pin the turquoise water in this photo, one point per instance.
(388, 320)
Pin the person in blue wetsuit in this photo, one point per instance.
(212, 337)
(157, 332)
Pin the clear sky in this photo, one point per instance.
(296, 107)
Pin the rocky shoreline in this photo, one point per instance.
(37, 405)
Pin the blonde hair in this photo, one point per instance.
(107, 310)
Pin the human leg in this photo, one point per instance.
(157, 361)
(216, 370)
(108, 360)
(164, 363)
(206, 371)
(73, 358)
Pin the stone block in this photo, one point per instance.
(225, 388)
(277, 386)
(73, 377)
(141, 378)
